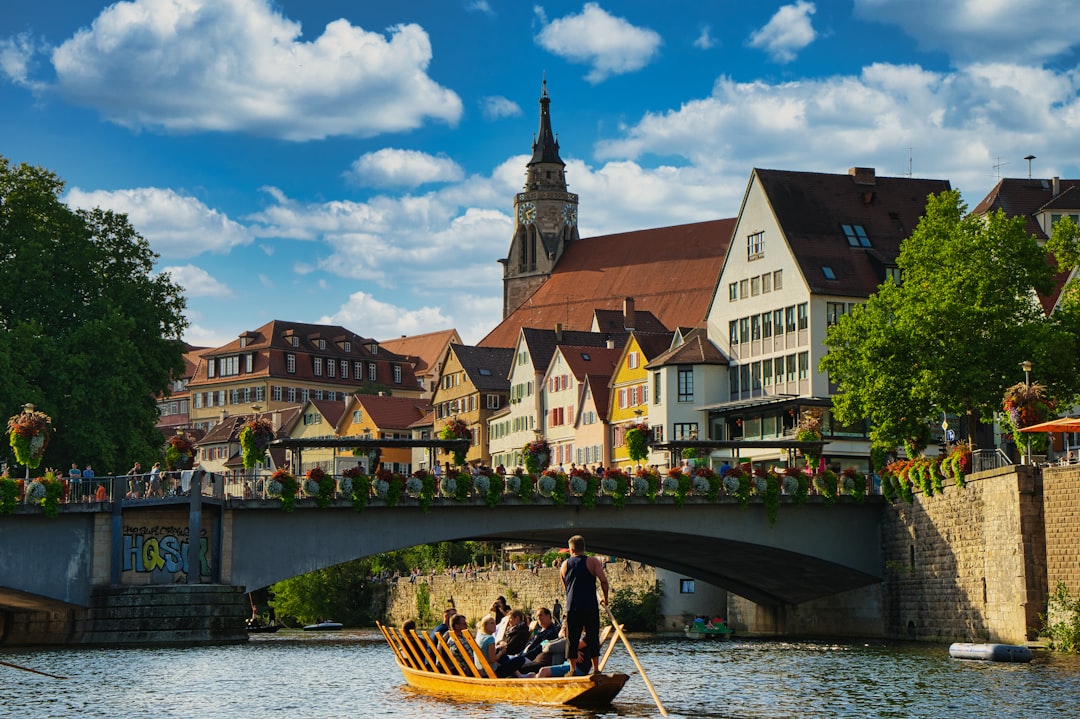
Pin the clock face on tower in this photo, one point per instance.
(569, 213)
(526, 213)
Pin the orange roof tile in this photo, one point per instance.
(388, 412)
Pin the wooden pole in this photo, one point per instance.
(32, 671)
(630, 651)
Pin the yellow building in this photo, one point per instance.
(629, 397)
(382, 417)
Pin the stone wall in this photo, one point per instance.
(1061, 492)
(473, 598)
(967, 564)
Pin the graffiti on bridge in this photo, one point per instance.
(162, 550)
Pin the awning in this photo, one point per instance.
(1061, 424)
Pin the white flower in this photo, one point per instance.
(413, 486)
(608, 485)
(345, 485)
(311, 487)
(791, 485)
(381, 488)
(761, 484)
(670, 485)
(546, 485)
(578, 485)
(448, 485)
(641, 486)
(482, 484)
(273, 488)
(731, 484)
(701, 485)
(35, 492)
(512, 484)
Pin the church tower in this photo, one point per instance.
(545, 217)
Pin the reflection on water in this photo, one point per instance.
(351, 674)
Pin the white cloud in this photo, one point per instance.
(787, 32)
(175, 225)
(704, 39)
(611, 45)
(403, 168)
(16, 57)
(197, 282)
(480, 6)
(383, 320)
(982, 31)
(498, 107)
(239, 66)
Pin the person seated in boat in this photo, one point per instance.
(516, 635)
(495, 652)
(551, 652)
(717, 624)
(459, 624)
(407, 629)
(547, 630)
(444, 627)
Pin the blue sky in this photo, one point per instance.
(355, 162)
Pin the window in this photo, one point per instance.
(856, 235)
(372, 372)
(803, 320)
(755, 246)
(229, 366)
(755, 376)
(733, 381)
(893, 273)
(294, 341)
(744, 289)
(686, 384)
(656, 387)
(766, 372)
(686, 586)
(221, 398)
(755, 327)
(684, 430)
(316, 366)
(790, 362)
(766, 325)
(198, 400)
(291, 394)
(632, 360)
(766, 282)
(778, 370)
(755, 286)
(744, 329)
(804, 365)
(305, 395)
(346, 346)
(733, 330)
(397, 374)
(789, 319)
(733, 291)
(834, 311)
(318, 394)
(275, 393)
(249, 363)
(778, 279)
(211, 366)
(493, 401)
(344, 369)
(290, 363)
(778, 322)
(828, 272)
(331, 368)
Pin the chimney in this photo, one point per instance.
(863, 175)
(275, 421)
(558, 331)
(381, 393)
(628, 313)
(609, 343)
(1057, 186)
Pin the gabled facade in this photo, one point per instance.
(174, 409)
(384, 417)
(526, 419)
(473, 387)
(318, 419)
(629, 398)
(575, 428)
(423, 352)
(806, 248)
(683, 379)
(219, 450)
(287, 363)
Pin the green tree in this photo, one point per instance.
(950, 338)
(88, 333)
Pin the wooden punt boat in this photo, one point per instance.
(427, 664)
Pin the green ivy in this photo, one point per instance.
(1064, 634)
(289, 487)
(527, 488)
(427, 491)
(361, 491)
(462, 487)
(495, 490)
(9, 494)
(683, 489)
(592, 490)
(558, 495)
(772, 498)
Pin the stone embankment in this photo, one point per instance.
(522, 588)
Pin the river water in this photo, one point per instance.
(352, 675)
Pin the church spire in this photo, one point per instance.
(545, 146)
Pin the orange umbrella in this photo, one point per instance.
(1061, 424)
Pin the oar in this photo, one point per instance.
(630, 650)
(33, 671)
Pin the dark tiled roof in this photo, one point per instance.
(601, 393)
(1025, 197)
(615, 321)
(670, 272)
(487, 367)
(542, 343)
(393, 412)
(653, 345)
(601, 360)
(810, 208)
(330, 409)
(696, 348)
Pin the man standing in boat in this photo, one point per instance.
(579, 574)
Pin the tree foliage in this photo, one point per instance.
(87, 332)
(951, 337)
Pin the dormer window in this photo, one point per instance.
(828, 272)
(373, 348)
(294, 341)
(856, 235)
(346, 346)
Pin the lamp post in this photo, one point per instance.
(1027, 365)
(27, 408)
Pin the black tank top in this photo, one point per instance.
(580, 584)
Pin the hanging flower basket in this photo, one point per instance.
(287, 488)
(255, 438)
(637, 442)
(179, 452)
(456, 429)
(537, 456)
(29, 433)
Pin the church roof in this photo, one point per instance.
(545, 147)
(669, 271)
